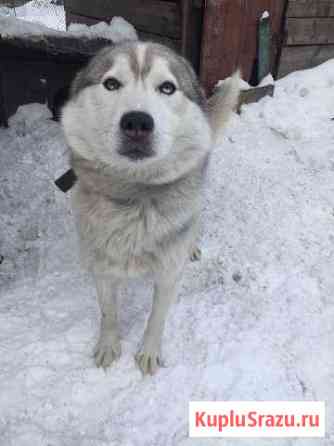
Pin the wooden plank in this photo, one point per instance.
(175, 44)
(255, 95)
(310, 31)
(185, 16)
(192, 32)
(155, 16)
(301, 57)
(310, 8)
(61, 48)
(13, 3)
(3, 106)
(230, 37)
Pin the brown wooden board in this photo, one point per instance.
(229, 38)
(310, 8)
(63, 47)
(310, 31)
(255, 94)
(301, 57)
(154, 16)
(192, 21)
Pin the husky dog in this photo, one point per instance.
(140, 131)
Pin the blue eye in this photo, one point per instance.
(167, 88)
(112, 84)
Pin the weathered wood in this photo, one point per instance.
(13, 3)
(301, 57)
(255, 94)
(310, 31)
(33, 70)
(230, 37)
(310, 8)
(192, 19)
(175, 44)
(185, 16)
(3, 106)
(155, 16)
(58, 48)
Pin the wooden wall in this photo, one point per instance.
(229, 39)
(309, 38)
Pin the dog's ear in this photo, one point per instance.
(223, 102)
(191, 85)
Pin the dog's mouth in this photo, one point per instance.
(136, 152)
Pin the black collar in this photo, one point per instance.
(66, 181)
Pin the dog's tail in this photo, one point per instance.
(223, 102)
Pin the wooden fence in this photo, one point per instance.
(309, 38)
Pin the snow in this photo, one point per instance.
(39, 11)
(243, 85)
(265, 15)
(254, 319)
(267, 80)
(118, 30)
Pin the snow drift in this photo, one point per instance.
(254, 319)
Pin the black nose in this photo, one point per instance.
(137, 125)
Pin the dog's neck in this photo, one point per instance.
(96, 178)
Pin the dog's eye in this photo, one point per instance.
(167, 88)
(112, 84)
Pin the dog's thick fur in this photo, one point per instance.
(140, 216)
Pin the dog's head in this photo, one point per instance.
(135, 105)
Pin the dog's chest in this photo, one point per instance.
(132, 235)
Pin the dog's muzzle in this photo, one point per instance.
(137, 128)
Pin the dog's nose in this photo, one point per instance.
(137, 125)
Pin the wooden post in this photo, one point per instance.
(229, 37)
(264, 44)
(185, 13)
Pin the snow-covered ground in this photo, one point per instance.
(39, 11)
(254, 319)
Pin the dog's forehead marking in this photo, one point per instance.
(121, 66)
(159, 68)
(131, 59)
(140, 55)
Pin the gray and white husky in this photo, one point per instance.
(140, 131)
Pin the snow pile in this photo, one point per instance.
(243, 85)
(32, 214)
(118, 30)
(254, 320)
(42, 17)
(39, 11)
(265, 15)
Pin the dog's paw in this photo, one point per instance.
(107, 351)
(148, 362)
(196, 254)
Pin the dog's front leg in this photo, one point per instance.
(165, 291)
(108, 347)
